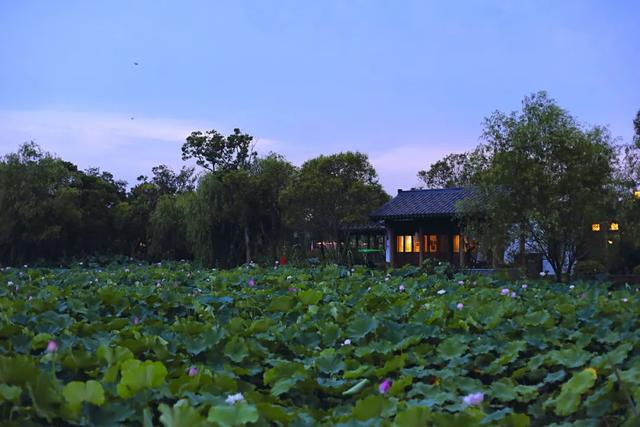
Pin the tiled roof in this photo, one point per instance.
(371, 226)
(422, 203)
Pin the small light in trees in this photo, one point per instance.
(614, 226)
(595, 227)
(610, 242)
(636, 194)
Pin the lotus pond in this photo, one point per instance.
(177, 346)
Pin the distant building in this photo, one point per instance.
(421, 224)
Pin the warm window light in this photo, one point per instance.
(636, 194)
(595, 227)
(614, 226)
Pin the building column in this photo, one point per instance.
(392, 247)
(421, 244)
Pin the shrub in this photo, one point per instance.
(636, 270)
(589, 268)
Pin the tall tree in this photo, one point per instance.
(549, 176)
(216, 152)
(330, 190)
(454, 170)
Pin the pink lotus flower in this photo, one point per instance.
(293, 289)
(524, 286)
(193, 371)
(460, 306)
(251, 282)
(460, 282)
(473, 399)
(513, 295)
(401, 288)
(52, 346)
(384, 386)
(625, 300)
(136, 320)
(505, 291)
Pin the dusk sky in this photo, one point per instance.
(404, 81)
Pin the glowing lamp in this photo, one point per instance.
(614, 226)
(595, 227)
(636, 194)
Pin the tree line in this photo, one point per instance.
(561, 188)
(241, 208)
(543, 180)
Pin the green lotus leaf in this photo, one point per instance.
(281, 303)
(329, 362)
(571, 357)
(236, 349)
(77, 392)
(535, 318)
(392, 365)
(504, 390)
(137, 375)
(496, 416)
(9, 393)
(310, 296)
(453, 347)
(238, 414)
(569, 398)
(360, 326)
(417, 416)
(180, 415)
(372, 407)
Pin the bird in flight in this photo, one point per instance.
(136, 63)
(131, 118)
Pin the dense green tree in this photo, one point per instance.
(167, 229)
(454, 170)
(217, 153)
(236, 214)
(330, 190)
(549, 178)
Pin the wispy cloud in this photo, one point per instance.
(126, 146)
(129, 148)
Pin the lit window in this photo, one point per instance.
(636, 194)
(404, 244)
(614, 226)
(407, 243)
(595, 227)
(456, 243)
(416, 244)
(433, 243)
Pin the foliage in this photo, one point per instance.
(549, 179)
(636, 270)
(330, 190)
(218, 153)
(454, 170)
(173, 345)
(589, 268)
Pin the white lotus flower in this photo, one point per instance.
(233, 398)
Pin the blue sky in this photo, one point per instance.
(404, 81)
